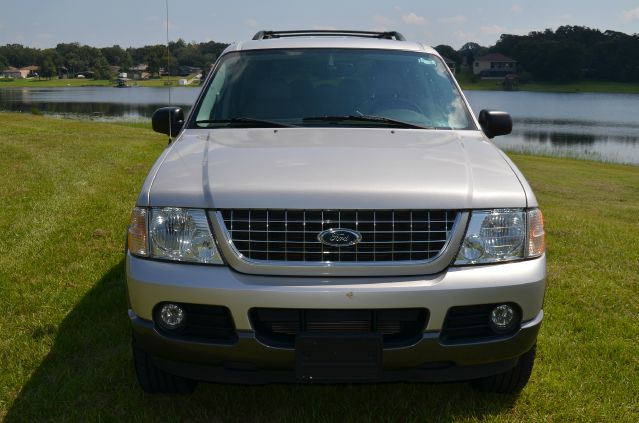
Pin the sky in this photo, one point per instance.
(135, 23)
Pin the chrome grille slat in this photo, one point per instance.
(317, 242)
(388, 236)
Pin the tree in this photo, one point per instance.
(19, 56)
(155, 58)
(469, 52)
(450, 53)
(117, 56)
(47, 65)
(101, 69)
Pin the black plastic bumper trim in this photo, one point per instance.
(251, 362)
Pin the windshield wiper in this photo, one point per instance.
(365, 118)
(244, 119)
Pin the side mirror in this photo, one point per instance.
(168, 120)
(495, 123)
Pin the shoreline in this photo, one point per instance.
(600, 87)
(63, 83)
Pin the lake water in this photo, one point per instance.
(596, 126)
(588, 125)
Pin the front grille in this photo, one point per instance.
(279, 327)
(470, 324)
(386, 235)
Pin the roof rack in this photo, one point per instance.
(389, 35)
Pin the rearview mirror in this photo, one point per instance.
(495, 123)
(168, 120)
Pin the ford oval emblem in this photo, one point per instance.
(337, 237)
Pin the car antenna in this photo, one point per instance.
(168, 67)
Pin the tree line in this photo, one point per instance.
(77, 58)
(569, 53)
(566, 54)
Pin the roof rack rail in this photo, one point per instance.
(388, 35)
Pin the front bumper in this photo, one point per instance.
(250, 361)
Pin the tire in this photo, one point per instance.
(512, 381)
(154, 380)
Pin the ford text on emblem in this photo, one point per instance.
(339, 237)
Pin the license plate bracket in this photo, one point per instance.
(324, 357)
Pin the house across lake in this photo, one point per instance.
(494, 66)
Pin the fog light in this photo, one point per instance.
(171, 316)
(503, 318)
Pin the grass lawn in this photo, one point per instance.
(67, 190)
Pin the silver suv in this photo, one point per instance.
(332, 211)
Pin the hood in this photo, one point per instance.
(334, 168)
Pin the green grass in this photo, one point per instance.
(67, 190)
(467, 83)
(55, 82)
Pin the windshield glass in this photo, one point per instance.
(328, 87)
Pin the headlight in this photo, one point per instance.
(173, 233)
(502, 235)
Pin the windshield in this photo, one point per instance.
(331, 87)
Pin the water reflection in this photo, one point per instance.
(558, 138)
(114, 111)
(616, 143)
(105, 103)
(595, 126)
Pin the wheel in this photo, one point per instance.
(154, 380)
(509, 382)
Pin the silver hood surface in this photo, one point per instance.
(333, 168)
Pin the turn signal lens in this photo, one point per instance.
(536, 234)
(136, 235)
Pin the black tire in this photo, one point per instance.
(154, 380)
(512, 381)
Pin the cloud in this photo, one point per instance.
(383, 20)
(464, 36)
(515, 8)
(383, 23)
(413, 19)
(492, 30)
(458, 19)
(631, 15)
